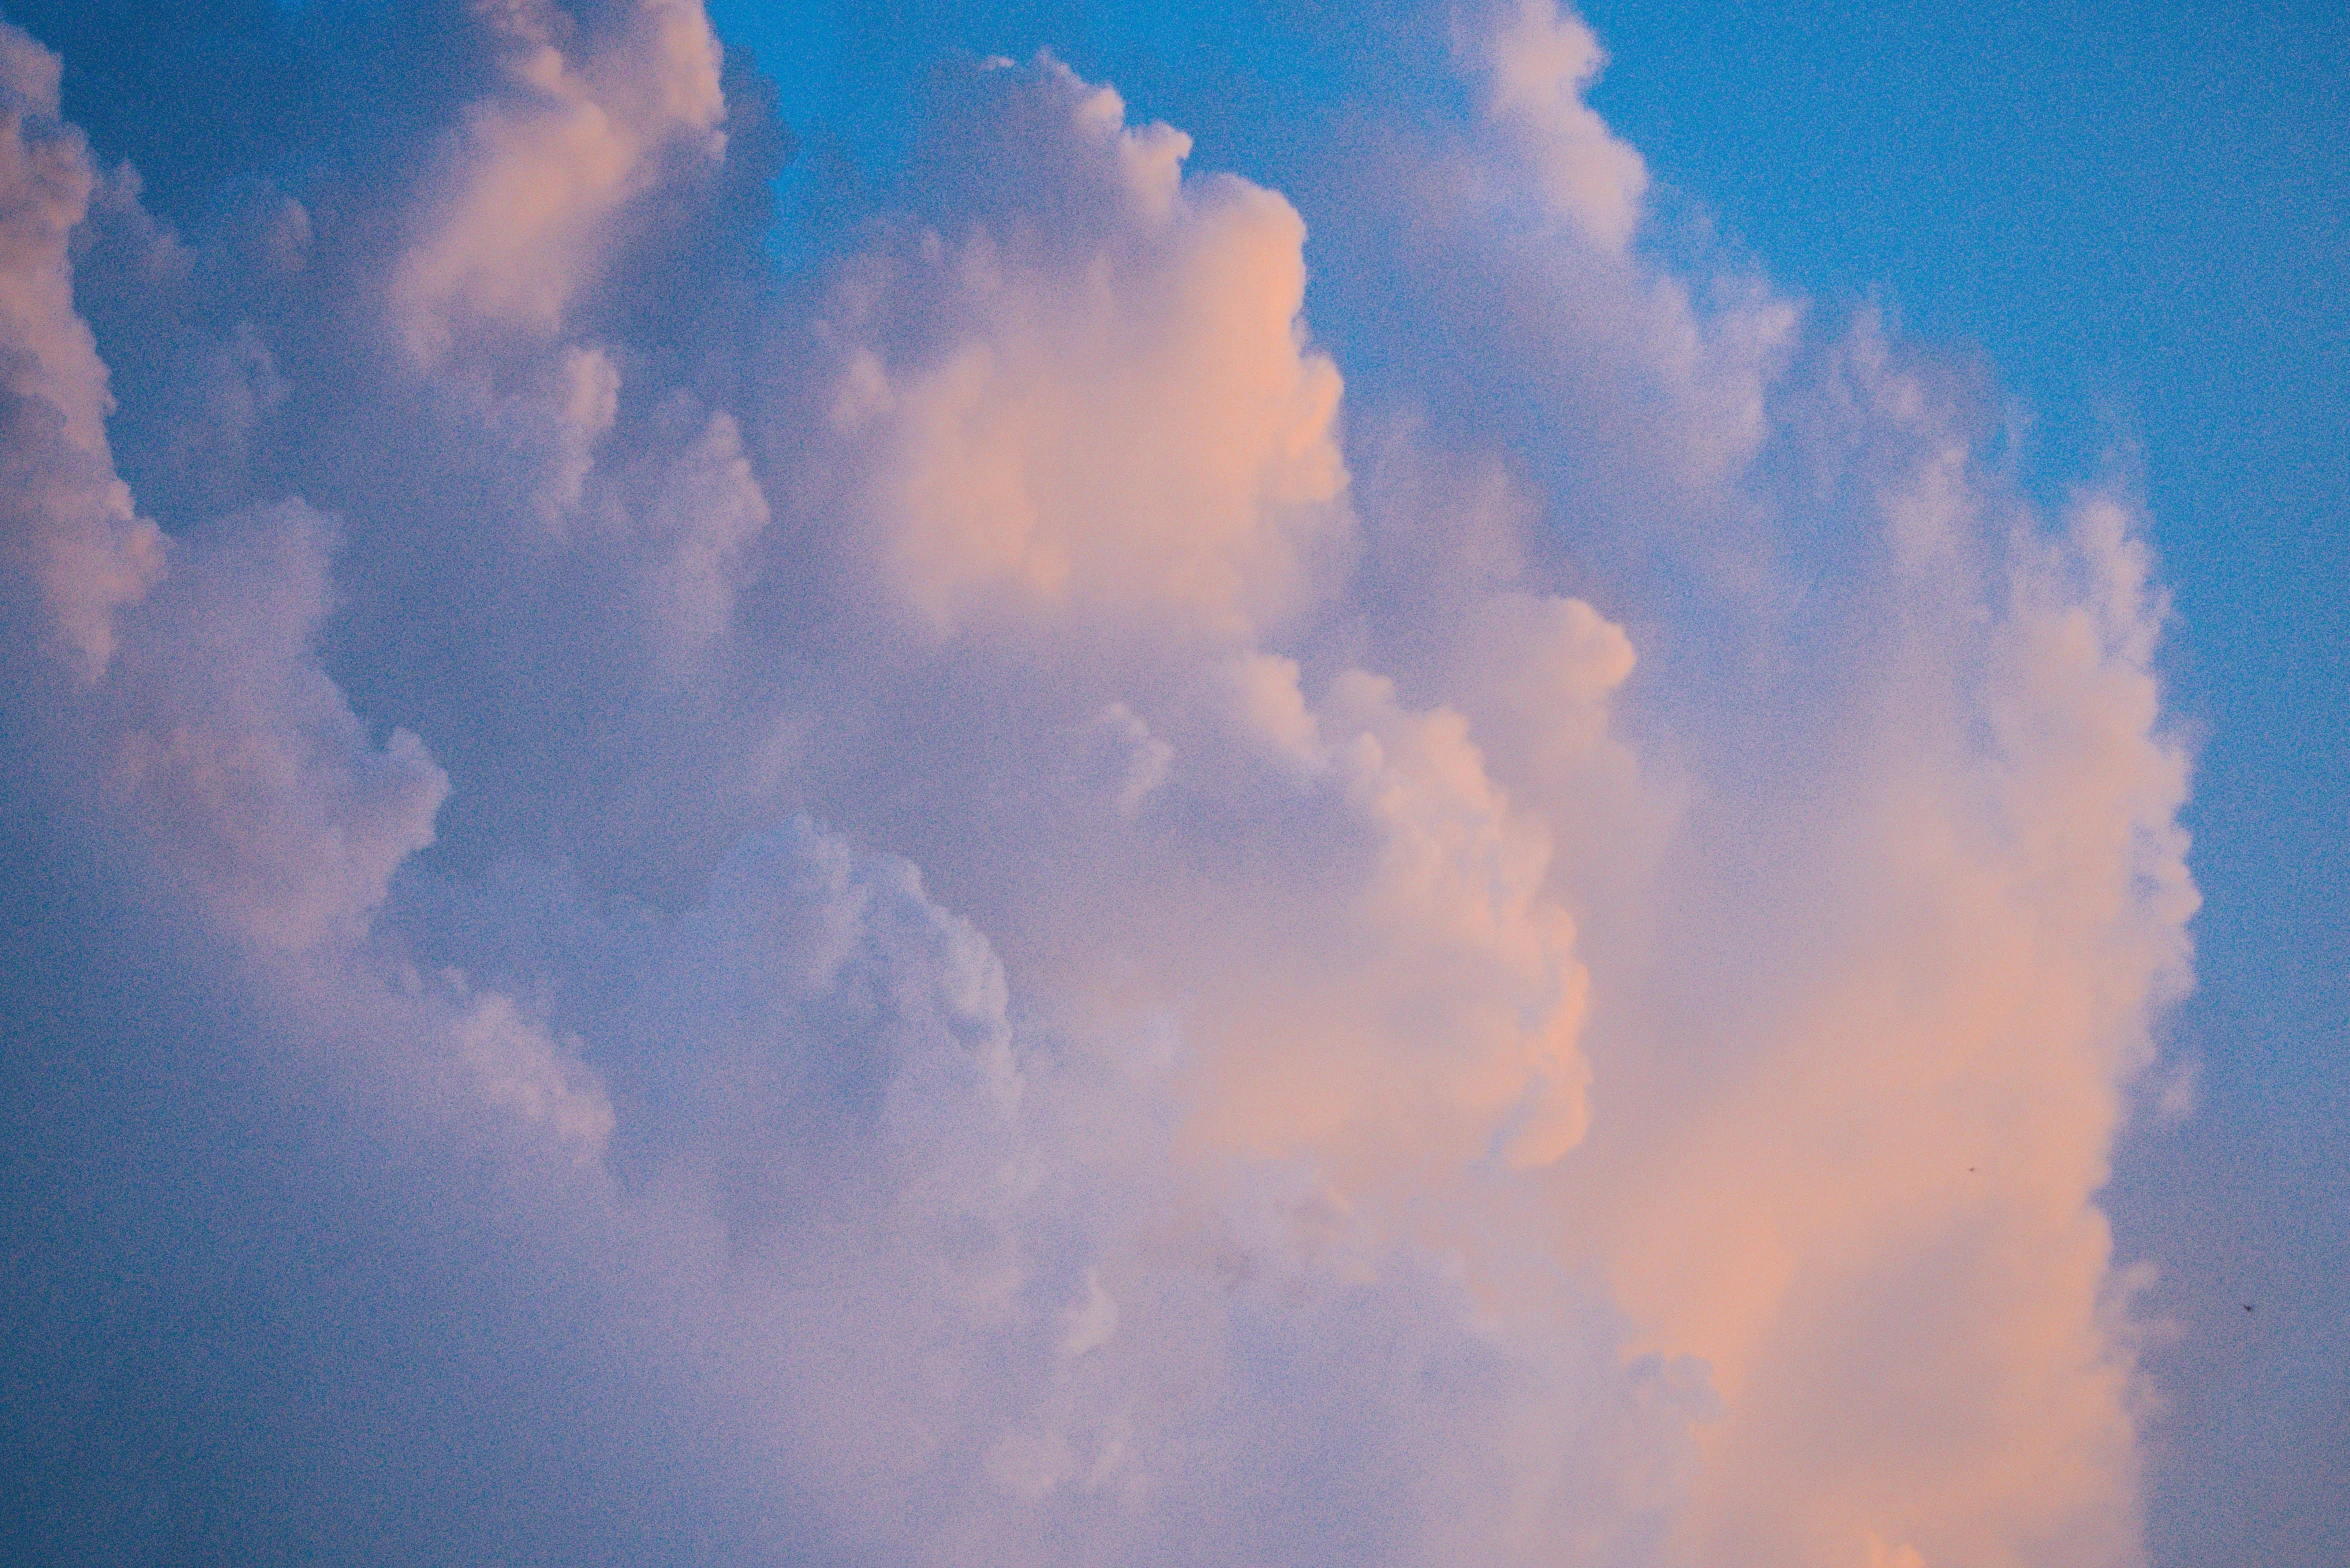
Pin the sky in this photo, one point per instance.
(1051, 783)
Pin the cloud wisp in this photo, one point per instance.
(931, 913)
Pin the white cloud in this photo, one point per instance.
(1541, 61)
(1115, 419)
(541, 167)
(1570, 1006)
(72, 530)
(237, 754)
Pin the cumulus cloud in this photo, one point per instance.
(240, 755)
(928, 913)
(1103, 406)
(1541, 60)
(73, 536)
(512, 227)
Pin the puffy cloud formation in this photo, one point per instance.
(72, 537)
(1540, 62)
(543, 165)
(922, 913)
(1115, 417)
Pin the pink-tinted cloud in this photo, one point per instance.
(1360, 1001)
(73, 533)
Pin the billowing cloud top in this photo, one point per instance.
(927, 913)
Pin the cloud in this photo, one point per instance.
(73, 534)
(239, 754)
(1541, 60)
(544, 163)
(1102, 406)
(936, 912)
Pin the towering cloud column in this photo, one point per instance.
(931, 913)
